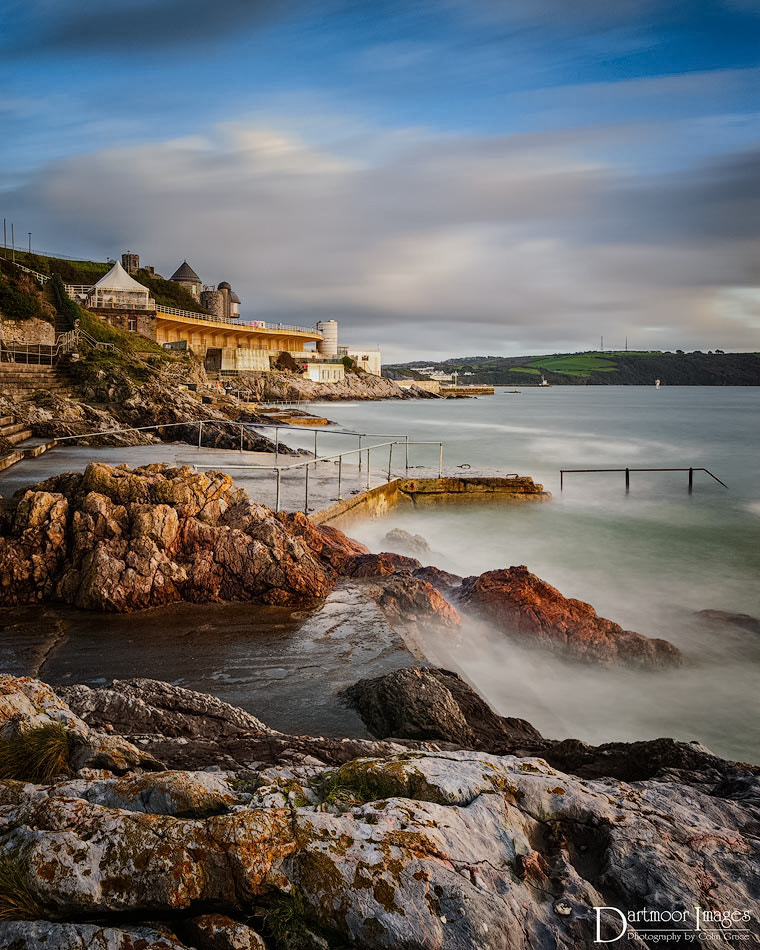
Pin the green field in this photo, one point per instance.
(575, 364)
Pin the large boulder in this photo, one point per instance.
(119, 540)
(528, 609)
(427, 703)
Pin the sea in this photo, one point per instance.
(651, 558)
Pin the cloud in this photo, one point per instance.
(434, 244)
(99, 26)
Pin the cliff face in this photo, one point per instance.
(424, 848)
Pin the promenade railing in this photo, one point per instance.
(363, 452)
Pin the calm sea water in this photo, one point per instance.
(649, 560)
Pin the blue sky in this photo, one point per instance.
(444, 178)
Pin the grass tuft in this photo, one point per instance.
(36, 755)
(17, 898)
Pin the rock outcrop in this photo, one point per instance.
(527, 608)
(433, 704)
(119, 540)
(420, 848)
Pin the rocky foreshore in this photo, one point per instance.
(115, 539)
(289, 842)
(127, 405)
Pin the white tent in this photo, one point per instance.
(118, 291)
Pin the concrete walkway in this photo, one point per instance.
(253, 471)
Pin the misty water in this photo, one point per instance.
(649, 560)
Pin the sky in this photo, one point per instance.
(443, 177)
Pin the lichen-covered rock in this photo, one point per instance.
(27, 704)
(437, 850)
(219, 932)
(49, 935)
(527, 608)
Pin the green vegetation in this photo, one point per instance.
(36, 755)
(18, 900)
(169, 293)
(617, 368)
(366, 780)
(287, 917)
(71, 272)
(577, 364)
(21, 297)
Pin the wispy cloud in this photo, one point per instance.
(517, 241)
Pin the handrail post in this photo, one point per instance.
(277, 494)
(406, 454)
(440, 459)
(340, 475)
(561, 479)
(691, 479)
(306, 492)
(368, 468)
(276, 443)
(627, 480)
(390, 460)
(200, 432)
(315, 449)
(241, 436)
(360, 454)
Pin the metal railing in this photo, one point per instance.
(628, 471)
(37, 354)
(277, 469)
(42, 278)
(338, 458)
(251, 325)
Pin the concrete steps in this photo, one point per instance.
(16, 434)
(24, 379)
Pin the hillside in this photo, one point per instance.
(598, 369)
(168, 293)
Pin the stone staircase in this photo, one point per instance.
(13, 436)
(22, 380)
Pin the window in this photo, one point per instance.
(132, 323)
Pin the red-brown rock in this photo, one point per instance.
(328, 544)
(378, 565)
(527, 608)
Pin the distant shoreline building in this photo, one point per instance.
(227, 345)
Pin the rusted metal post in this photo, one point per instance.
(360, 454)
(200, 433)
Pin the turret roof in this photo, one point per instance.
(184, 272)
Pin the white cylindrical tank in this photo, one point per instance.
(328, 345)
